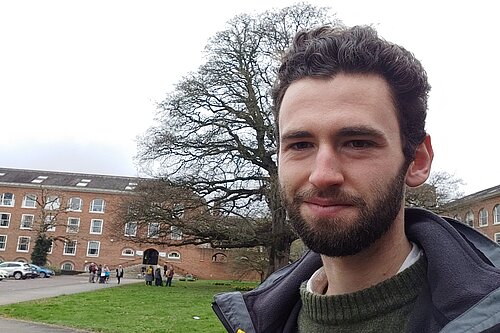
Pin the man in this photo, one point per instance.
(350, 112)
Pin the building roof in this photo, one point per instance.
(478, 196)
(77, 181)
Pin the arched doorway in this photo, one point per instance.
(150, 257)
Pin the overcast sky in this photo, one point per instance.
(79, 80)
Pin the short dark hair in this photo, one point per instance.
(327, 51)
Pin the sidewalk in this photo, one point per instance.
(15, 291)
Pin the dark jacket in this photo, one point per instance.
(463, 293)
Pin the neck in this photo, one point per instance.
(371, 266)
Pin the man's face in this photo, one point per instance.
(340, 161)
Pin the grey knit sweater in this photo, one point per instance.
(384, 307)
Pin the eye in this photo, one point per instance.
(360, 144)
(300, 145)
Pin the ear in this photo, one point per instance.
(420, 168)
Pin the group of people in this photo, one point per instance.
(102, 273)
(151, 274)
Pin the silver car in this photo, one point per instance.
(19, 270)
(3, 274)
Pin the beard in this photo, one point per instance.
(344, 236)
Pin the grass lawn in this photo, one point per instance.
(131, 308)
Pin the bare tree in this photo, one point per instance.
(440, 189)
(52, 209)
(215, 134)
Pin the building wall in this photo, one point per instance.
(197, 260)
(491, 205)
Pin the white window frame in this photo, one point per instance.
(175, 233)
(72, 266)
(29, 198)
(25, 243)
(50, 248)
(71, 227)
(50, 220)
(496, 214)
(468, 221)
(483, 217)
(53, 202)
(65, 248)
(152, 225)
(92, 226)
(174, 255)
(93, 206)
(496, 237)
(127, 229)
(4, 242)
(125, 254)
(23, 221)
(71, 203)
(2, 219)
(98, 248)
(7, 202)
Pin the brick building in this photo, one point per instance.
(479, 210)
(80, 209)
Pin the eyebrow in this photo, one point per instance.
(343, 132)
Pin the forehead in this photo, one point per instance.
(344, 100)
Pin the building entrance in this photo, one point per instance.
(150, 257)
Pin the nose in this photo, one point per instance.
(326, 170)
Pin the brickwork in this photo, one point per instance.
(468, 210)
(113, 248)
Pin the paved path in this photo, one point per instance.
(15, 291)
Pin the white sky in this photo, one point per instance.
(79, 80)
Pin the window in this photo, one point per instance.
(52, 203)
(97, 206)
(219, 257)
(131, 229)
(27, 221)
(178, 211)
(174, 255)
(73, 225)
(496, 214)
(3, 242)
(96, 226)
(469, 218)
(29, 201)
(70, 248)
(7, 199)
(4, 220)
(175, 233)
(93, 248)
(67, 266)
(483, 217)
(50, 223)
(127, 252)
(154, 229)
(75, 204)
(497, 238)
(23, 244)
(50, 249)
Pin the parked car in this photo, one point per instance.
(19, 270)
(3, 274)
(41, 271)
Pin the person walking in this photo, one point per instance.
(119, 273)
(92, 272)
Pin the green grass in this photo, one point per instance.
(131, 308)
